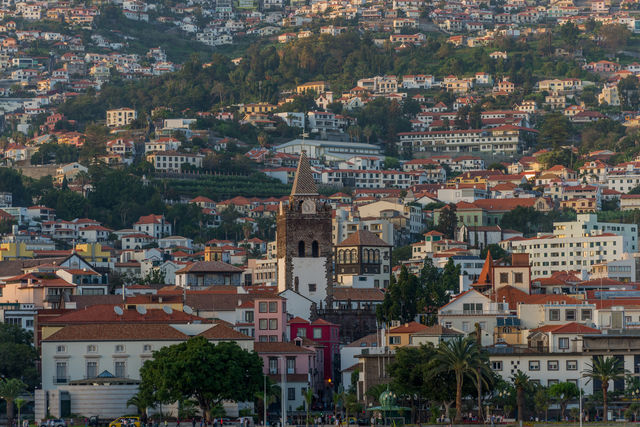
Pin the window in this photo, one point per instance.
(91, 348)
(61, 373)
(291, 365)
(554, 314)
(273, 365)
(517, 277)
(551, 382)
(563, 343)
(273, 324)
(248, 316)
(273, 307)
(312, 287)
(61, 349)
(472, 307)
(496, 365)
(291, 393)
(317, 333)
(147, 348)
(120, 370)
(92, 369)
(534, 365)
(302, 333)
(570, 315)
(585, 314)
(395, 339)
(301, 248)
(314, 249)
(262, 307)
(572, 365)
(465, 326)
(552, 365)
(119, 348)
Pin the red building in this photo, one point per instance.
(326, 334)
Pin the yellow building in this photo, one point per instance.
(262, 107)
(93, 253)
(317, 87)
(14, 251)
(400, 336)
(212, 253)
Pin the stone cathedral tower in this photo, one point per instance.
(304, 247)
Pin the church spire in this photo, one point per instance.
(303, 183)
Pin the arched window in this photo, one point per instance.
(301, 248)
(314, 249)
(354, 256)
(341, 257)
(365, 256)
(376, 256)
(347, 257)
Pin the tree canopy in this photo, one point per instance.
(206, 372)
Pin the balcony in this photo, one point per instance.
(60, 380)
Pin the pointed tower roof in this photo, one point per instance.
(303, 183)
(485, 274)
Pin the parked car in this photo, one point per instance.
(125, 421)
(54, 423)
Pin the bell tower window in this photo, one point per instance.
(301, 248)
(314, 249)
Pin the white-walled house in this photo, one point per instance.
(96, 366)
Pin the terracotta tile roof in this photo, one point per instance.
(437, 330)
(298, 320)
(368, 341)
(279, 348)
(363, 238)
(223, 332)
(409, 328)
(104, 313)
(117, 332)
(568, 328)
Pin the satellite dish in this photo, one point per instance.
(167, 309)
(141, 309)
(118, 310)
(187, 309)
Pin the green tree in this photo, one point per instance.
(555, 130)
(308, 400)
(564, 393)
(451, 276)
(629, 90)
(542, 401)
(10, 389)
(175, 373)
(496, 251)
(448, 221)
(17, 355)
(141, 401)
(604, 370)
(520, 381)
(400, 299)
(614, 36)
(458, 356)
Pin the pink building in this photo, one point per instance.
(295, 361)
(270, 314)
(326, 334)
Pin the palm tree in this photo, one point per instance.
(308, 400)
(482, 371)
(564, 393)
(457, 355)
(141, 402)
(337, 398)
(520, 381)
(605, 370)
(10, 389)
(19, 403)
